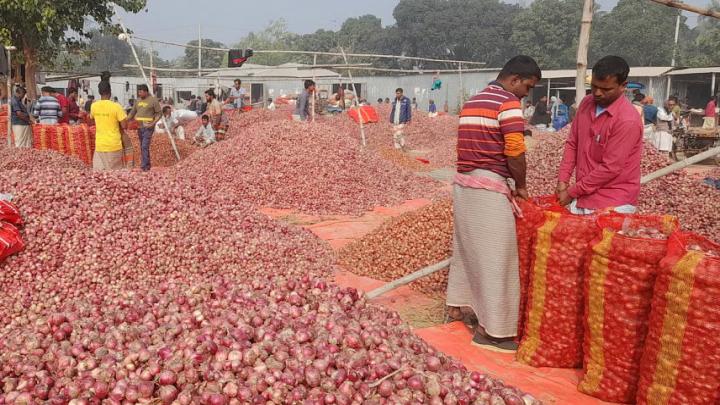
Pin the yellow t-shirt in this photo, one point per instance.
(107, 115)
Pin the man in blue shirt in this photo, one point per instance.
(21, 120)
(400, 116)
(47, 109)
(650, 112)
(302, 108)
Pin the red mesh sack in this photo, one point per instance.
(10, 213)
(623, 264)
(681, 361)
(525, 228)
(10, 240)
(553, 324)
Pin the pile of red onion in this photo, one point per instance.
(403, 245)
(307, 166)
(269, 340)
(100, 235)
(30, 159)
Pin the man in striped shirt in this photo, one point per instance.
(491, 152)
(47, 110)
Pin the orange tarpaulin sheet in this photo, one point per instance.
(369, 114)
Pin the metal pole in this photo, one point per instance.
(548, 90)
(10, 94)
(357, 106)
(409, 278)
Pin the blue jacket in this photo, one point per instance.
(405, 110)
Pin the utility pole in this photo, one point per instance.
(582, 53)
(199, 52)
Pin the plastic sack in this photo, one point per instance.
(369, 114)
(9, 213)
(553, 325)
(10, 240)
(71, 140)
(621, 272)
(128, 158)
(525, 228)
(681, 362)
(185, 116)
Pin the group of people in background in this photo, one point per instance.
(554, 115)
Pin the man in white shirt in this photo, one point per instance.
(662, 137)
(175, 127)
(205, 135)
(237, 94)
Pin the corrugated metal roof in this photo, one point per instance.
(652, 71)
(695, 71)
(287, 70)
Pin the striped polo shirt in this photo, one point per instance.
(491, 129)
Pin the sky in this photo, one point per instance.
(228, 21)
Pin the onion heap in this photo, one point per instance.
(403, 245)
(29, 159)
(269, 340)
(101, 234)
(307, 166)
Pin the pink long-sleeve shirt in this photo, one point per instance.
(604, 151)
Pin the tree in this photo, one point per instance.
(548, 31)
(473, 30)
(701, 49)
(273, 37)
(211, 59)
(39, 29)
(641, 32)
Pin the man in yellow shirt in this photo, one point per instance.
(110, 119)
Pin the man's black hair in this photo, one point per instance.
(270, 99)
(611, 66)
(380, 100)
(104, 88)
(72, 90)
(523, 66)
(205, 117)
(20, 89)
(237, 81)
(309, 83)
(46, 89)
(143, 87)
(166, 108)
(400, 90)
(210, 92)
(91, 97)
(639, 97)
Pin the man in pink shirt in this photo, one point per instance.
(604, 147)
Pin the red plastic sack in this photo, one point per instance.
(72, 140)
(369, 114)
(10, 213)
(621, 272)
(681, 362)
(10, 240)
(553, 325)
(525, 228)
